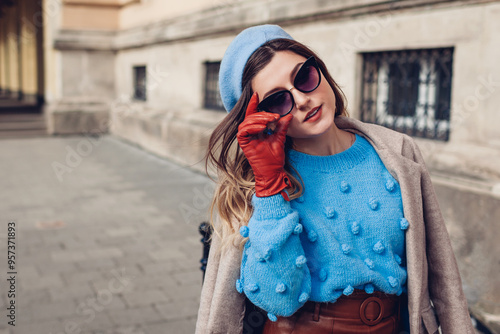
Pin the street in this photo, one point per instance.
(106, 237)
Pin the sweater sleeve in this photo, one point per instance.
(274, 273)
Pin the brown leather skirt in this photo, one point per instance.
(357, 313)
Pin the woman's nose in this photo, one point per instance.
(302, 100)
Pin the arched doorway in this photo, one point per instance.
(21, 66)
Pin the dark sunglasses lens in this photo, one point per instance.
(307, 79)
(279, 103)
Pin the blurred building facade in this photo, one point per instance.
(146, 71)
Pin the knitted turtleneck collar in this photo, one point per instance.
(337, 162)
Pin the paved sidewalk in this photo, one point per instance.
(106, 237)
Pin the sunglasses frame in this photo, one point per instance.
(309, 61)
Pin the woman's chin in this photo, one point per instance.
(311, 130)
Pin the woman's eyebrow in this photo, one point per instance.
(292, 76)
(294, 71)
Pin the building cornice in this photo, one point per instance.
(100, 3)
(231, 18)
(85, 40)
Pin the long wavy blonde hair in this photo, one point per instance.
(236, 182)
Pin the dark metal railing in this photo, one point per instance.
(206, 231)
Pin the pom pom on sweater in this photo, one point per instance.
(404, 224)
(244, 231)
(344, 187)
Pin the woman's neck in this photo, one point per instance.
(330, 142)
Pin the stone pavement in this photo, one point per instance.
(106, 237)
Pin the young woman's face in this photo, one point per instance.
(279, 74)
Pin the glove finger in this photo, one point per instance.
(252, 105)
(284, 122)
(251, 129)
(283, 125)
(260, 118)
(282, 129)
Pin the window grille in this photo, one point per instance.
(140, 83)
(212, 95)
(408, 91)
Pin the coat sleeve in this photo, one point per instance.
(445, 284)
(222, 308)
(274, 274)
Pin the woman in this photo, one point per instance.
(338, 226)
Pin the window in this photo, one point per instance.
(408, 91)
(212, 94)
(140, 83)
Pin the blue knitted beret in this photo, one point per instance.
(236, 57)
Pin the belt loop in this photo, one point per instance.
(316, 312)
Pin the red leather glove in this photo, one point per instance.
(265, 152)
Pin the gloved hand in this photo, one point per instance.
(264, 149)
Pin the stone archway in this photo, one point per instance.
(21, 56)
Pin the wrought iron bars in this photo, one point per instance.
(212, 95)
(206, 231)
(408, 91)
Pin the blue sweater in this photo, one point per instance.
(345, 232)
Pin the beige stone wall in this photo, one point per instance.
(339, 44)
(91, 77)
(150, 11)
(111, 15)
(174, 72)
(90, 17)
(52, 12)
(100, 15)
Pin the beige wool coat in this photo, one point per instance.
(432, 269)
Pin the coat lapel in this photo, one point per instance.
(407, 173)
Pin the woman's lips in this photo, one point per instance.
(316, 114)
